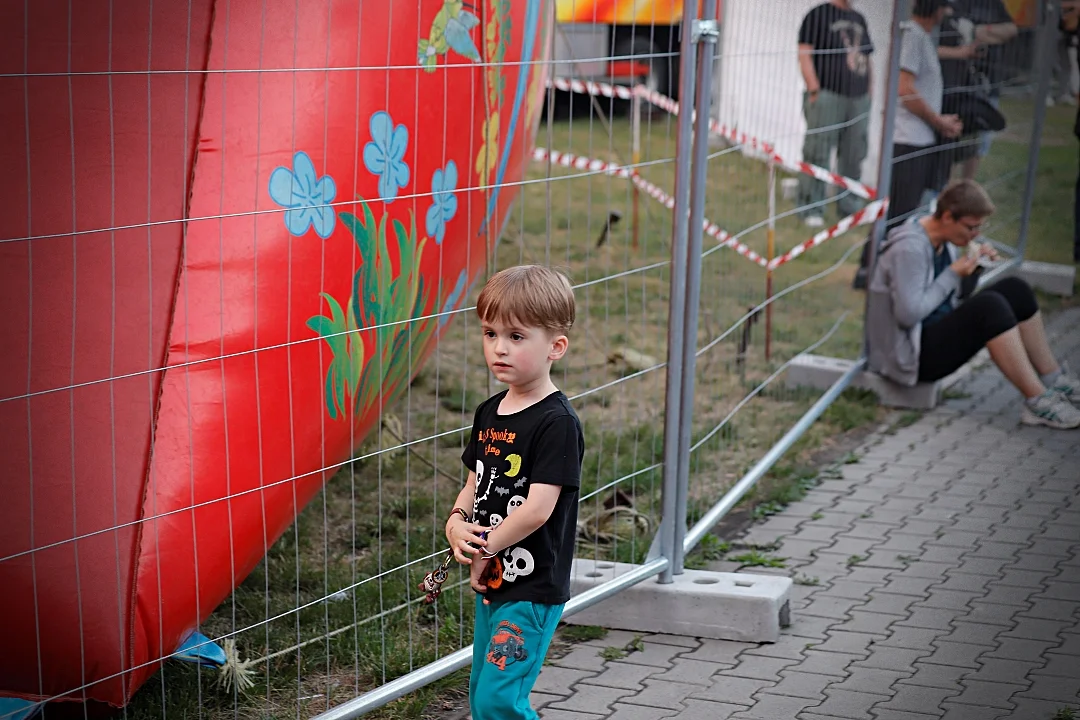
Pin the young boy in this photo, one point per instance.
(515, 520)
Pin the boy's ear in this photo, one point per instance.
(559, 346)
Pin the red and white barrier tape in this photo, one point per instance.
(581, 163)
(588, 87)
(866, 216)
(665, 103)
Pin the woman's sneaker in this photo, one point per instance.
(1068, 385)
(1051, 409)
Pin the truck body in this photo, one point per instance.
(619, 41)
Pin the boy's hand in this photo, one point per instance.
(476, 574)
(460, 534)
(965, 265)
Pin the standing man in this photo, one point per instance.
(834, 57)
(1062, 76)
(919, 123)
(994, 28)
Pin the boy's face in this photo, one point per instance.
(962, 230)
(517, 354)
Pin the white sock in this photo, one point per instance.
(1032, 400)
(1050, 378)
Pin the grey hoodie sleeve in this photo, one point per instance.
(912, 298)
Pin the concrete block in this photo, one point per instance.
(1049, 277)
(723, 606)
(923, 396)
(818, 371)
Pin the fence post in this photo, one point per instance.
(635, 159)
(704, 33)
(901, 11)
(677, 304)
(1045, 46)
(770, 252)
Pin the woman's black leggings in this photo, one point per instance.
(955, 338)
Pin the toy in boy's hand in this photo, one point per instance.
(472, 542)
(432, 584)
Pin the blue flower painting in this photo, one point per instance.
(306, 196)
(384, 155)
(444, 202)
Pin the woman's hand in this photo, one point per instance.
(464, 538)
(965, 265)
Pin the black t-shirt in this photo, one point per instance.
(842, 48)
(957, 75)
(542, 444)
(991, 62)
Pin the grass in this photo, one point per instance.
(1049, 237)
(612, 653)
(755, 558)
(583, 633)
(637, 644)
(905, 419)
(710, 549)
(353, 558)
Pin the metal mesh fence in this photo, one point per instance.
(244, 247)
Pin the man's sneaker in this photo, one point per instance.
(814, 221)
(1068, 385)
(1052, 410)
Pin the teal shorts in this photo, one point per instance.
(509, 646)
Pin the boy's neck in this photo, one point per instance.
(520, 397)
(932, 226)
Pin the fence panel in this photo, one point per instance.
(240, 302)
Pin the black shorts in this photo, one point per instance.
(955, 338)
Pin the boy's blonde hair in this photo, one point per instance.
(533, 295)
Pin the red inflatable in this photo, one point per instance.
(216, 215)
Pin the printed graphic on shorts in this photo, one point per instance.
(507, 646)
(517, 563)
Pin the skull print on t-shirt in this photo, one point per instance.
(542, 444)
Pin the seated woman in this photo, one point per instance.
(919, 331)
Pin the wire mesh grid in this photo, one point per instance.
(295, 545)
(797, 298)
(218, 338)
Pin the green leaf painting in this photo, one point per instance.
(376, 339)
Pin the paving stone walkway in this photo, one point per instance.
(948, 569)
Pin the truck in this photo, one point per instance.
(622, 42)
